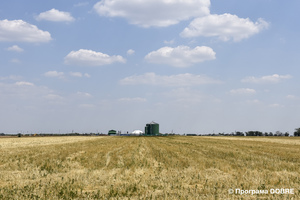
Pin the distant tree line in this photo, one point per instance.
(250, 133)
(53, 134)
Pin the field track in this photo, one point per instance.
(148, 167)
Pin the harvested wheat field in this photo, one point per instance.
(149, 168)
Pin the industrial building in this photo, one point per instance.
(112, 132)
(152, 128)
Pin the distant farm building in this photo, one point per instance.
(152, 128)
(112, 132)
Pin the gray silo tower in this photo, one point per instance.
(152, 128)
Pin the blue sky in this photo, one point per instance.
(194, 66)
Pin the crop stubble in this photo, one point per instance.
(147, 167)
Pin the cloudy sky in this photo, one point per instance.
(193, 66)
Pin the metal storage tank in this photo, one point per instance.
(137, 132)
(152, 128)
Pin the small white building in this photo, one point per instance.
(137, 132)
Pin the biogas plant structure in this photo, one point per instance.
(151, 129)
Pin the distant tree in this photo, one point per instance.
(238, 133)
(249, 133)
(258, 133)
(297, 132)
(270, 134)
(286, 134)
(254, 133)
(266, 134)
(278, 133)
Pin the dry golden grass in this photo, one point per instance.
(147, 167)
(14, 142)
(280, 140)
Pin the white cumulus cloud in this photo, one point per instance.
(86, 57)
(24, 83)
(53, 97)
(243, 91)
(186, 79)
(181, 56)
(54, 74)
(55, 16)
(291, 97)
(81, 4)
(225, 27)
(23, 90)
(275, 78)
(169, 42)
(84, 94)
(159, 13)
(87, 75)
(21, 31)
(15, 48)
(76, 74)
(130, 52)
